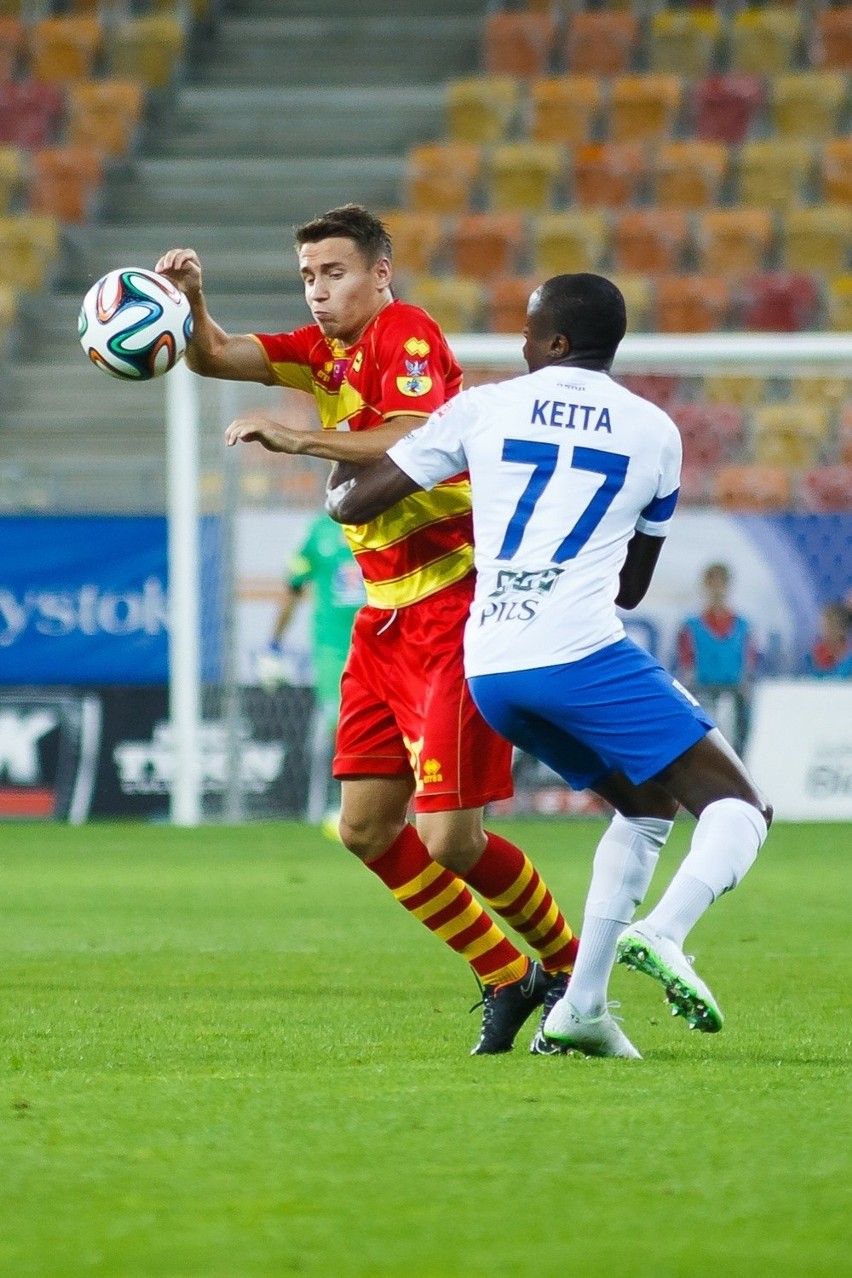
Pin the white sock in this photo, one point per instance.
(727, 839)
(587, 988)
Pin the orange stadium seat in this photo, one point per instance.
(836, 171)
(29, 245)
(638, 291)
(456, 304)
(13, 44)
(30, 112)
(601, 42)
(725, 106)
(643, 107)
(524, 176)
(507, 302)
(764, 41)
(832, 45)
(817, 238)
(733, 240)
(483, 245)
(689, 174)
(105, 115)
(711, 433)
(692, 303)
(416, 238)
(660, 388)
(481, 108)
(780, 302)
(64, 181)
(828, 488)
(12, 174)
(441, 177)
(148, 48)
(649, 240)
(789, 434)
(65, 48)
(518, 43)
(574, 241)
(839, 304)
(753, 488)
(565, 108)
(774, 172)
(608, 174)
(807, 104)
(742, 390)
(684, 40)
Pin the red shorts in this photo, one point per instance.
(405, 707)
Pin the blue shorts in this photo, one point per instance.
(615, 711)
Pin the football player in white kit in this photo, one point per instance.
(575, 481)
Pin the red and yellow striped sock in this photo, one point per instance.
(443, 903)
(510, 884)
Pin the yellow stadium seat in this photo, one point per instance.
(415, 237)
(481, 108)
(774, 172)
(441, 177)
(518, 43)
(29, 245)
(524, 176)
(684, 40)
(764, 41)
(743, 390)
(573, 241)
(733, 240)
(146, 48)
(649, 240)
(608, 174)
(817, 238)
(832, 45)
(643, 107)
(565, 108)
(600, 42)
(839, 304)
(455, 303)
(827, 389)
(807, 104)
(689, 174)
(789, 434)
(65, 48)
(753, 488)
(507, 302)
(104, 115)
(638, 293)
(692, 303)
(484, 245)
(836, 171)
(11, 175)
(8, 307)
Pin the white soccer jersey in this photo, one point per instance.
(565, 466)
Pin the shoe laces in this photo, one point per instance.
(608, 1008)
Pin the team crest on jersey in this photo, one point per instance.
(332, 374)
(416, 382)
(417, 346)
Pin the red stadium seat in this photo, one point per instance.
(827, 488)
(724, 106)
(711, 433)
(780, 302)
(660, 388)
(30, 112)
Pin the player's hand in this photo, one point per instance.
(183, 268)
(254, 428)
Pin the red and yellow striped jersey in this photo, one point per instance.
(401, 364)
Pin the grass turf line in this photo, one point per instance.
(228, 1053)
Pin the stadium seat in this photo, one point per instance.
(8, 309)
(12, 175)
(839, 304)
(13, 44)
(600, 42)
(692, 303)
(573, 241)
(685, 41)
(481, 108)
(416, 238)
(831, 47)
(63, 49)
(724, 107)
(689, 174)
(524, 176)
(608, 174)
(774, 172)
(829, 389)
(695, 484)
(64, 181)
(565, 108)
(638, 294)
(844, 433)
(742, 390)
(764, 41)
(827, 488)
(733, 240)
(507, 302)
(753, 488)
(483, 245)
(836, 171)
(649, 240)
(789, 434)
(660, 388)
(148, 48)
(519, 44)
(711, 433)
(29, 245)
(105, 115)
(643, 107)
(30, 112)
(807, 104)
(817, 238)
(441, 176)
(779, 302)
(456, 304)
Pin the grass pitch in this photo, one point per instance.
(228, 1053)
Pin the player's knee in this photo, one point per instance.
(454, 850)
(367, 836)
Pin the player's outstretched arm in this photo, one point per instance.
(638, 569)
(211, 351)
(370, 492)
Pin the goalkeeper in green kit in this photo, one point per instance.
(325, 563)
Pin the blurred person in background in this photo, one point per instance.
(830, 654)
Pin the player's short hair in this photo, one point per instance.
(350, 222)
(717, 570)
(587, 309)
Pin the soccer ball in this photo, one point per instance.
(134, 324)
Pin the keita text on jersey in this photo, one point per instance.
(556, 412)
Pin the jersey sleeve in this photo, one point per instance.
(655, 519)
(289, 356)
(418, 371)
(434, 451)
